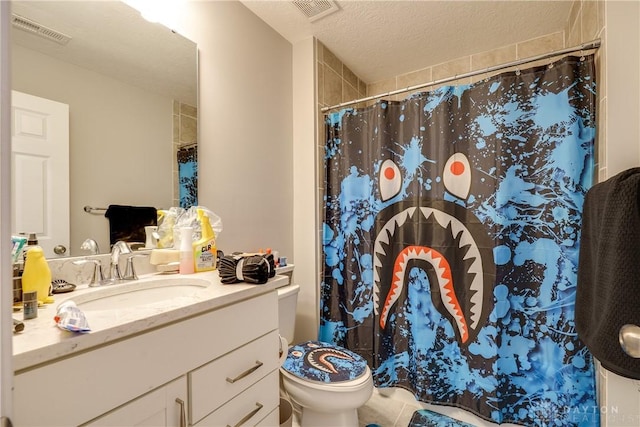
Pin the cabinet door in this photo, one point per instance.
(164, 406)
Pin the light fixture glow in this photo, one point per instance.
(164, 11)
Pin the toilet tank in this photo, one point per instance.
(287, 302)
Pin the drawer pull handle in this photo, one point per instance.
(245, 373)
(183, 417)
(249, 415)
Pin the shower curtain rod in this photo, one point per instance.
(593, 44)
(190, 145)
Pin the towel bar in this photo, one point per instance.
(92, 210)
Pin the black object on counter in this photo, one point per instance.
(18, 326)
(254, 268)
(60, 286)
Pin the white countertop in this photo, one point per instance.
(42, 341)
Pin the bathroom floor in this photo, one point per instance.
(387, 411)
(395, 410)
(380, 410)
(396, 407)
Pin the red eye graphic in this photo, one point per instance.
(457, 175)
(390, 180)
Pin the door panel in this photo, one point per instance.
(40, 156)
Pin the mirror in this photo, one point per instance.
(131, 88)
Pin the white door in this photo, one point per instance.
(6, 329)
(40, 170)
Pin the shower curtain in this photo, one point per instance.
(188, 177)
(450, 242)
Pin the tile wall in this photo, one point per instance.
(185, 133)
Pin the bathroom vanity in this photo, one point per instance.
(209, 357)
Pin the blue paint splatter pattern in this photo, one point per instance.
(426, 418)
(188, 176)
(450, 243)
(324, 362)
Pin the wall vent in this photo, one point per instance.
(25, 24)
(316, 9)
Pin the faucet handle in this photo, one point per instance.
(130, 271)
(98, 277)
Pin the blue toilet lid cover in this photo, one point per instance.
(323, 362)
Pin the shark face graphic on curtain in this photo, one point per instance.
(450, 242)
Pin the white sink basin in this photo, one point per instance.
(139, 293)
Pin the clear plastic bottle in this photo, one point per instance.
(32, 241)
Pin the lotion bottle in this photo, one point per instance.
(204, 250)
(37, 275)
(186, 250)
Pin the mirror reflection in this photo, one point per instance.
(131, 91)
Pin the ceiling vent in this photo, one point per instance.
(316, 9)
(25, 24)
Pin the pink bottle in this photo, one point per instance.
(186, 250)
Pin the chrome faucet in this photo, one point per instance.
(120, 247)
(91, 246)
(130, 271)
(97, 278)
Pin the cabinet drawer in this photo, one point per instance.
(249, 407)
(219, 381)
(271, 420)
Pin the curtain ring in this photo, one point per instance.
(517, 71)
(486, 75)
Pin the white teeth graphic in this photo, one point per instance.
(426, 212)
(456, 228)
(319, 359)
(459, 231)
(466, 240)
(442, 218)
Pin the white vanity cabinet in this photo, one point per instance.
(164, 406)
(222, 363)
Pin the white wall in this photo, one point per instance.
(620, 405)
(245, 125)
(305, 208)
(120, 139)
(623, 85)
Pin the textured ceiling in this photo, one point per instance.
(381, 39)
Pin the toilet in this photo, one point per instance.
(329, 383)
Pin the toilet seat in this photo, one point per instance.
(340, 387)
(325, 364)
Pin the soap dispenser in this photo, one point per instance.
(186, 250)
(37, 275)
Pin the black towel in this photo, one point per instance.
(608, 289)
(127, 222)
(255, 269)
